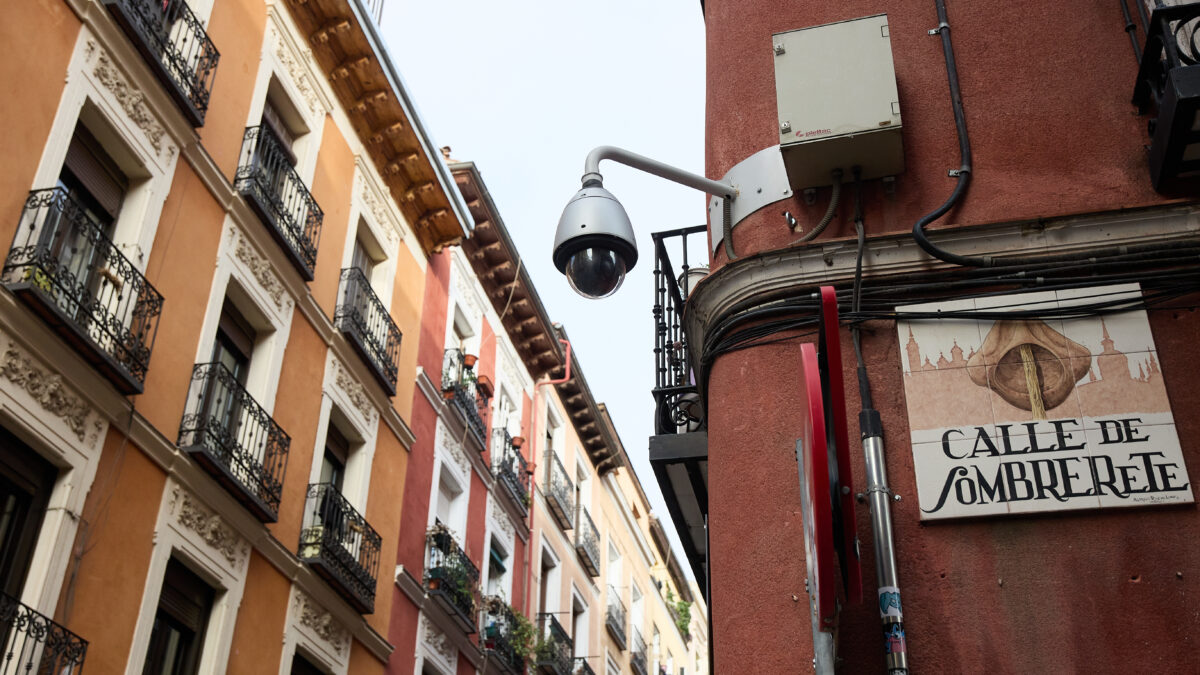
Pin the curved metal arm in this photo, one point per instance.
(591, 171)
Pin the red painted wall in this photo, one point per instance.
(418, 480)
(1046, 88)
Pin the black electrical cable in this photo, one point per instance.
(1131, 30)
(964, 179)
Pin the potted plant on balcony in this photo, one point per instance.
(518, 441)
(469, 361)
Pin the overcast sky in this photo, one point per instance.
(525, 89)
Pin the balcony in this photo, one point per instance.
(450, 577)
(679, 446)
(229, 434)
(266, 178)
(560, 493)
(510, 468)
(501, 638)
(339, 544)
(587, 543)
(677, 405)
(614, 617)
(33, 643)
(552, 656)
(64, 267)
(173, 42)
(368, 326)
(637, 654)
(460, 391)
(582, 667)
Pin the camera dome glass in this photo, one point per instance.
(595, 272)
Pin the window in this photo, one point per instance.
(25, 483)
(579, 626)
(234, 343)
(610, 666)
(450, 508)
(333, 462)
(497, 571)
(280, 117)
(636, 607)
(178, 634)
(551, 574)
(302, 666)
(92, 179)
(614, 565)
(461, 332)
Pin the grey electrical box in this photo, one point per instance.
(835, 86)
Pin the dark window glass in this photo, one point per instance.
(25, 484)
(302, 666)
(333, 464)
(234, 343)
(179, 623)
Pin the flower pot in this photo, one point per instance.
(469, 360)
(448, 394)
(518, 441)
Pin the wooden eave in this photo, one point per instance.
(495, 262)
(343, 50)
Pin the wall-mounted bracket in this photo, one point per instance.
(760, 179)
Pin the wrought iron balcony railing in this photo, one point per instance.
(552, 655)
(587, 543)
(175, 45)
(266, 178)
(582, 667)
(33, 643)
(451, 577)
(677, 404)
(368, 326)
(229, 434)
(499, 624)
(637, 653)
(63, 265)
(614, 618)
(510, 468)
(560, 493)
(460, 391)
(339, 544)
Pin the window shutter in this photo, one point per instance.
(89, 164)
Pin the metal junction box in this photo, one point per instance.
(835, 87)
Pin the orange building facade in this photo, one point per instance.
(210, 318)
(270, 400)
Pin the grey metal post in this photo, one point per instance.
(887, 578)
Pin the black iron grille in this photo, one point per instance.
(176, 47)
(228, 433)
(65, 267)
(339, 544)
(266, 178)
(368, 326)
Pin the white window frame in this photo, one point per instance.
(95, 79)
(191, 532)
(260, 287)
(342, 390)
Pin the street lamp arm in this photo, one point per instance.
(592, 177)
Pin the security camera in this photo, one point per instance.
(594, 244)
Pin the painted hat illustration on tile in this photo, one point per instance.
(1029, 364)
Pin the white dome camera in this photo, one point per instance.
(594, 244)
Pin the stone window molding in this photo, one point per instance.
(191, 529)
(311, 627)
(45, 409)
(100, 92)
